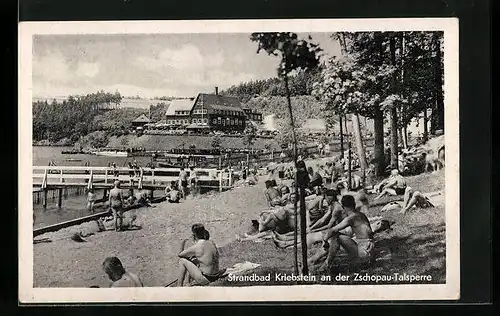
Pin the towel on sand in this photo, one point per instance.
(239, 268)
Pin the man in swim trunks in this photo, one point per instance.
(183, 182)
(116, 204)
(360, 246)
(121, 278)
(200, 262)
(396, 185)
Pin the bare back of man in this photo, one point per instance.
(116, 204)
(201, 262)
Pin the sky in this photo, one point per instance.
(151, 65)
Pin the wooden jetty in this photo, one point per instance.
(84, 219)
(46, 178)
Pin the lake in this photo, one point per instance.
(74, 206)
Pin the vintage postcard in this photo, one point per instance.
(239, 160)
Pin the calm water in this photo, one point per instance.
(74, 206)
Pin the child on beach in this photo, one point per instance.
(172, 193)
(91, 198)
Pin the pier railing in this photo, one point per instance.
(46, 177)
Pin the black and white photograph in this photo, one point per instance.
(263, 160)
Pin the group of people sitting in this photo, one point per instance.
(334, 215)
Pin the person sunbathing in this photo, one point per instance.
(359, 245)
(273, 195)
(396, 185)
(199, 262)
(412, 199)
(121, 278)
(356, 181)
(316, 208)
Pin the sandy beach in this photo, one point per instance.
(151, 252)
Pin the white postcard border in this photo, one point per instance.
(448, 291)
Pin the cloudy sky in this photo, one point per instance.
(150, 65)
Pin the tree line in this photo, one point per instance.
(81, 115)
(396, 76)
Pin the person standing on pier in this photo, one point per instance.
(115, 170)
(193, 182)
(91, 198)
(183, 182)
(116, 204)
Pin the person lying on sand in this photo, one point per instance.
(142, 198)
(413, 199)
(128, 223)
(200, 262)
(281, 219)
(395, 185)
(121, 278)
(359, 245)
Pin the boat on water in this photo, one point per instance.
(111, 152)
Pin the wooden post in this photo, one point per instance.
(59, 204)
(45, 198)
(140, 180)
(91, 179)
(61, 179)
(220, 181)
(220, 162)
(106, 176)
(349, 167)
(248, 159)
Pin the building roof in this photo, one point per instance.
(179, 105)
(314, 125)
(141, 119)
(220, 102)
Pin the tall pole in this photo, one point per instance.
(341, 136)
(294, 141)
(349, 167)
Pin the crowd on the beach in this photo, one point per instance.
(335, 199)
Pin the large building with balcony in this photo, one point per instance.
(211, 112)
